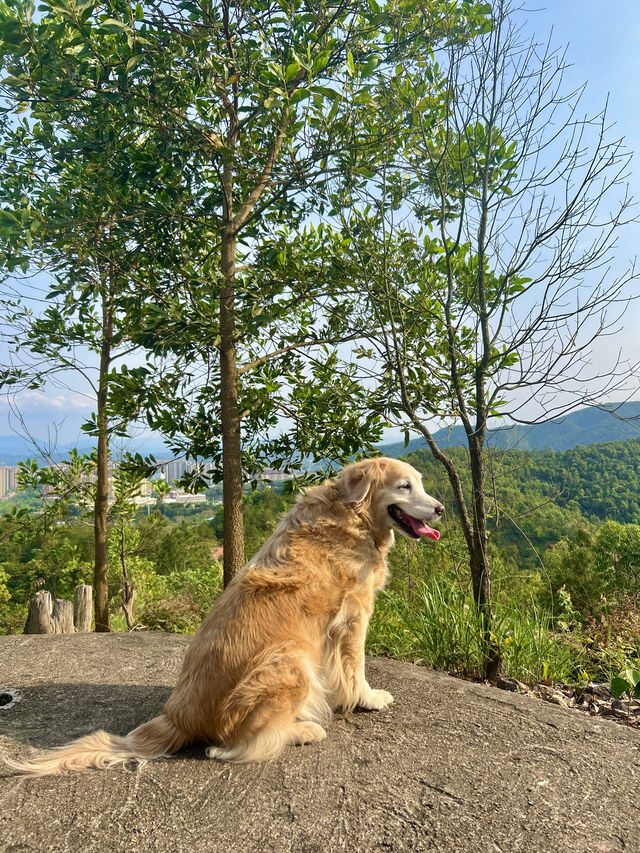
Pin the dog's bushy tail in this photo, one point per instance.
(157, 738)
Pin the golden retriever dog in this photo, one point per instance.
(283, 646)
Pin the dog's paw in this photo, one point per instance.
(307, 732)
(376, 700)
(219, 753)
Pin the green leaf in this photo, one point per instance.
(110, 25)
(619, 686)
(632, 676)
(351, 68)
(370, 66)
(292, 71)
(299, 95)
(133, 61)
(327, 92)
(320, 61)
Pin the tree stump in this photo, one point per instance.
(39, 617)
(82, 608)
(62, 616)
(47, 617)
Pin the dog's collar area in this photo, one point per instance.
(413, 527)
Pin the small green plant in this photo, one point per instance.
(566, 615)
(626, 682)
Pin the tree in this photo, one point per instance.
(90, 242)
(279, 93)
(484, 250)
(126, 487)
(249, 108)
(161, 489)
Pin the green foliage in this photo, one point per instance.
(179, 602)
(59, 566)
(152, 136)
(438, 626)
(184, 547)
(627, 681)
(575, 617)
(571, 569)
(596, 563)
(262, 511)
(538, 497)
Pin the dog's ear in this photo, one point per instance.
(356, 482)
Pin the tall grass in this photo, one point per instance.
(436, 624)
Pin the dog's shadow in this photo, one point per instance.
(50, 715)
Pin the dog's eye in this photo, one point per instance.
(405, 486)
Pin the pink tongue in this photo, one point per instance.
(421, 529)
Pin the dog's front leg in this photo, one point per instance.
(346, 674)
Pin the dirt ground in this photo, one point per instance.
(450, 766)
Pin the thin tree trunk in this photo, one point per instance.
(479, 557)
(101, 506)
(128, 587)
(233, 525)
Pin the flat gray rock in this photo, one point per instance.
(451, 766)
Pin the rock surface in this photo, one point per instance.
(450, 766)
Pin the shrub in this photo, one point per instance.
(179, 602)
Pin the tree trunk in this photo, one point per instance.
(127, 605)
(101, 506)
(233, 526)
(128, 587)
(479, 557)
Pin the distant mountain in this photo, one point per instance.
(591, 425)
(16, 448)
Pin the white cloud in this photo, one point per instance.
(39, 401)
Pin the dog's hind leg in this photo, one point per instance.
(268, 742)
(280, 702)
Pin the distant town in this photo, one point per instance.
(171, 470)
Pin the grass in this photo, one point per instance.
(438, 626)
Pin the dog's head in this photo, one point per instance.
(392, 495)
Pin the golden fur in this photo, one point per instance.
(284, 644)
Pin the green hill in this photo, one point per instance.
(591, 425)
(543, 495)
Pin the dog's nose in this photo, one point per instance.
(439, 509)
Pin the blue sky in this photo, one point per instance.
(602, 45)
(602, 40)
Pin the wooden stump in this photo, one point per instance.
(62, 616)
(82, 608)
(39, 619)
(49, 617)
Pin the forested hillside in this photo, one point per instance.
(537, 497)
(591, 425)
(600, 481)
(563, 536)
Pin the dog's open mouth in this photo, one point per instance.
(413, 527)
